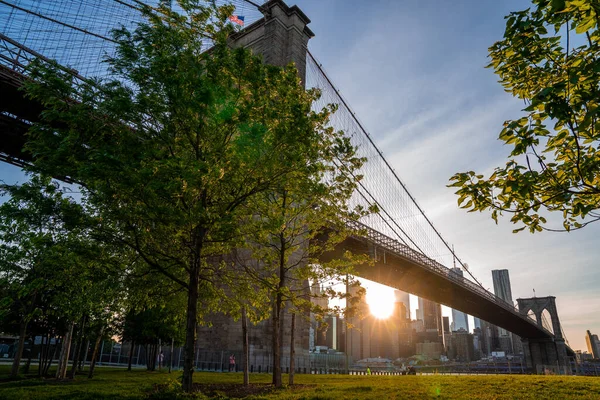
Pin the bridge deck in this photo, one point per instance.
(400, 267)
(15, 113)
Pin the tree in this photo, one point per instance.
(151, 325)
(549, 59)
(34, 222)
(54, 272)
(288, 224)
(169, 152)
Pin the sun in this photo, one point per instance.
(381, 302)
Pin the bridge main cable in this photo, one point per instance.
(394, 174)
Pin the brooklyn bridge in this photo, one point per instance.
(409, 252)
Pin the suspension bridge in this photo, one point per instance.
(410, 253)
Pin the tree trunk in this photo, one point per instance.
(77, 353)
(95, 353)
(292, 350)
(277, 343)
(171, 355)
(85, 356)
(63, 361)
(17, 358)
(158, 353)
(154, 356)
(131, 355)
(246, 347)
(190, 331)
(277, 381)
(43, 352)
(26, 368)
(149, 350)
(52, 357)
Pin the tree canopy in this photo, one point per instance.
(172, 153)
(549, 58)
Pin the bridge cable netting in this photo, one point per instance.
(77, 33)
(400, 216)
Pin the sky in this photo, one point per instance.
(413, 71)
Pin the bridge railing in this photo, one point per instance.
(395, 247)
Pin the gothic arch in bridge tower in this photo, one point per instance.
(537, 305)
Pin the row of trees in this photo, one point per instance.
(207, 184)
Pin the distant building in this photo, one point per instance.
(430, 350)
(318, 329)
(593, 344)
(476, 346)
(417, 325)
(431, 315)
(404, 298)
(505, 344)
(479, 345)
(419, 312)
(335, 332)
(502, 289)
(502, 285)
(446, 324)
(585, 356)
(460, 320)
(461, 347)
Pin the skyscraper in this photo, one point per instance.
(460, 320)
(432, 314)
(502, 289)
(502, 285)
(446, 323)
(593, 344)
(404, 298)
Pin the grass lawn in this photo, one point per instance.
(138, 384)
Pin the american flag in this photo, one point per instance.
(238, 19)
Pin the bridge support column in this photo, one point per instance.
(545, 354)
(281, 37)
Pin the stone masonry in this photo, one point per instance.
(281, 37)
(549, 354)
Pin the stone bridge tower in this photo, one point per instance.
(280, 37)
(549, 353)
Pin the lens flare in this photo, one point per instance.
(381, 302)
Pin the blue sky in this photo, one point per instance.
(413, 71)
